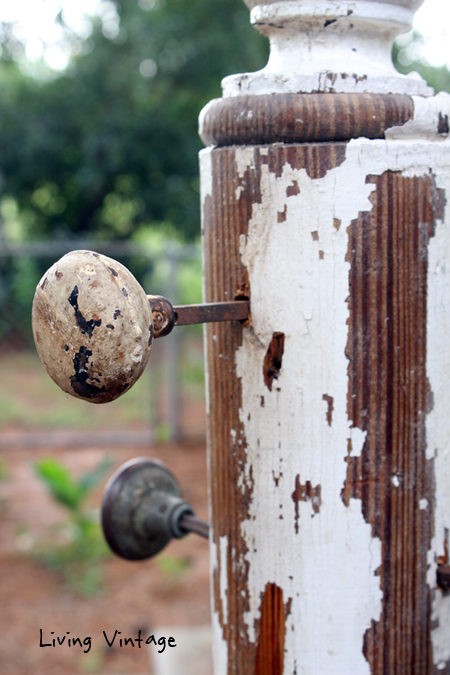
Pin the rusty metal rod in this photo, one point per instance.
(166, 316)
(192, 524)
(237, 310)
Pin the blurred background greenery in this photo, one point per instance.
(110, 144)
(105, 149)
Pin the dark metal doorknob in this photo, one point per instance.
(143, 510)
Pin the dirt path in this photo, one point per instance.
(135, 596)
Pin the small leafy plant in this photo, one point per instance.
(77, 548)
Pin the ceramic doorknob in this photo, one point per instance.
(92, 326)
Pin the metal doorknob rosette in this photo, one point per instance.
(143, 510)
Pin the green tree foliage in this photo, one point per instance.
(112, 142)
(406, 55)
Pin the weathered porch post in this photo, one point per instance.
(325, 200)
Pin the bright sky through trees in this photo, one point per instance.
(433, 21)
(39, 29)
(45, 38)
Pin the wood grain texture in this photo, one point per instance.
(272, 628)
(388, 398)
(227, 212)
(289, 118)
(225, 220)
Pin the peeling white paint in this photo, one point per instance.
(341, 46)
(329, 45)
(306, 298)
(206, 187)
(220, 647)
(333, 553)
(395, 480)
(336, 545)
(438, 421)
(429, 113)
(264, 82)
(223, 576)
(357, 437)
(245, 161)
(238, 192)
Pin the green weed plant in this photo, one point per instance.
(77, 549)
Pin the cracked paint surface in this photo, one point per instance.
(389, 398)
(290, 436)
(337, 545)
(298, 272)
(437, 422)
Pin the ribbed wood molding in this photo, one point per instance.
(294, 118)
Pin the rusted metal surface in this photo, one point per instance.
(163, 315)
(388, 398)
(166, 316)
(237, 310)
(92, 326)
(443, 577)
(141, 510)
(190, 523)
(227, 212)
(288, 118)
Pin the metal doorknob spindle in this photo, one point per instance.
(143, 510)
(94, 325)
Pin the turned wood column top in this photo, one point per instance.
(329, 46)
(410, 4)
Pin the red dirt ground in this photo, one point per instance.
(136, 595)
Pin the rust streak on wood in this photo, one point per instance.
(289, 118)
(389, 398)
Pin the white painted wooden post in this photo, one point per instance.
(325, 199)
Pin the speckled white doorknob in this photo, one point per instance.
(92, 325)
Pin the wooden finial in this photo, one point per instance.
(329, 46)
